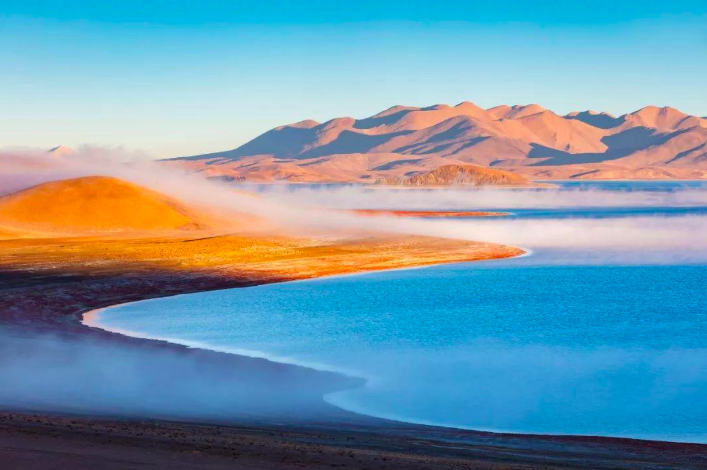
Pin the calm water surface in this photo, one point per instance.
(522, 345)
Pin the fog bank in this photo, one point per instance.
(49, 373)
(44, 372)
(482, 198)
(312, 209)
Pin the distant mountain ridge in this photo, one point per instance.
(404, 141)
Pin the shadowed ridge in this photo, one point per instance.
(563, 134)
(94, 204)
(279, 141)
(393, 110)
(282, 142)
(526, 138)
(498, 112)
(470, 109)
(444, 137)
(407, 119)
(601, 120)
(305, 124)
(661, 118)
(402, 118)
(336, 123)
(436, 107)
(519, 111)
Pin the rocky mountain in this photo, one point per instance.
(403, 142)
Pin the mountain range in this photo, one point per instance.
(403, 142)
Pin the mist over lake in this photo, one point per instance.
(566, 340)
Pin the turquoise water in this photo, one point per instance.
(521, 345)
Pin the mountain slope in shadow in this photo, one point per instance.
(524, 139)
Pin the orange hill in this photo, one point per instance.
(93, 204)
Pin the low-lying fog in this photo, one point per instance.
(89, 375)
(41, 372)
(643, 237)
(652, 227)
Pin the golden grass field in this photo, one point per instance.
(255, 257)
(72, 245)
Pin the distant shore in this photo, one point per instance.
(429, 214)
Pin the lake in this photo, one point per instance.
(529, 345)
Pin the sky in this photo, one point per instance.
(174, 78)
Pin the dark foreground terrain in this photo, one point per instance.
(30, 441)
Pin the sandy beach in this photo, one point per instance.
(48, 284)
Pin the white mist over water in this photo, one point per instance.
(506, 383)
(45, 372)
(511, 345)
(667, 225)
(590, 194)
(304, 209)
(562, 341)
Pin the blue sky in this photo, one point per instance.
(178, 78)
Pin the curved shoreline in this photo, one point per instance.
(48, 285)
(91, 319)
(39, 300)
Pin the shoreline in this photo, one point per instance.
(404, 252)
(328, 436)
(92, 320)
